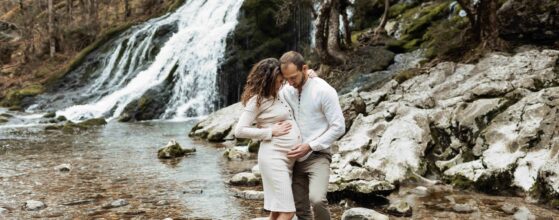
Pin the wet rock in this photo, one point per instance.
(6, 115)
(61, 118)
(420, 191)
(3, 120)
(173, 150)
(400, 208)
(93, 122)
(115, 204)
(249, 194)
(244, 179)
(464, 208)
(253, 146)
(236, 153)
(49, 115)
(218, 125)
(523, 213)
(162, 203)
(526, 20)
(33, 205)
(78, 202)
(256, 170)
(508, 208)
(363, 214)
(63, 167)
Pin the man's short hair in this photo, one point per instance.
(293, 57)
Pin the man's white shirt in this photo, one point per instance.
(317, 112)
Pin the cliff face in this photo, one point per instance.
(265, 29)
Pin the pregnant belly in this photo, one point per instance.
(290, 139)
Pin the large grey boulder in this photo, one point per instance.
(218, 125)
(363, 214)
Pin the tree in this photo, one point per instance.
(51, 28)
(327, 36)
(482, 15)
(126, 9)
(379, 31)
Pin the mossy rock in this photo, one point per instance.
(3, 120)
(253, 146)
(71, 127)
(6, 115)
(407, 74)
(93, 122)
(54, 127)
(49, 115)
(172, 150)
(61, 118)
(461, 182)
(242, 141)
(14, 97)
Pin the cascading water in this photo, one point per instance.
(188, 60)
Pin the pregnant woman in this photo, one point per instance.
(276, 129)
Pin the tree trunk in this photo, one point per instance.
(321, 34)
(21, 6)
(347, 30)
(126, 9)
(484, 23)
(51, 28)
(380, 28)
(333, 44)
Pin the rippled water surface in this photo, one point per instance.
(117, 161)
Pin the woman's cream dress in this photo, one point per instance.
(272, 156)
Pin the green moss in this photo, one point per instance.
(445, 36)
(61, 118)
(355, 36)
(93, 122)
(14, 97)
(49, 115)
(426, 16)
(407, 74)
(172, 151)
(242, 141)
(218, 136)
(398, 9)
(253, 146)
(461, 182)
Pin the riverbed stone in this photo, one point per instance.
(256, 170)
(34, 205)
(249, 194)
(464, 208)
(63, 167)
(509, 208)
(524, 213)
(363, 214)
(173, 150)
(49, 115)
(400, 208)
(244, 179)
(3, 211)
(218, 125)
(236, 153)
(116, 203)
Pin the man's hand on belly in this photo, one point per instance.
(299, 151)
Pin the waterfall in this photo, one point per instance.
(188, 59)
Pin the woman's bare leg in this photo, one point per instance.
(274, 215)
(286, 215)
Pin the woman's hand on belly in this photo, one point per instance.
(281, 128)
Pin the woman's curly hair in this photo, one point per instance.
(261, 81)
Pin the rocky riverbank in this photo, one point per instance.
(489, 127)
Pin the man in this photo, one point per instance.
(318, 114)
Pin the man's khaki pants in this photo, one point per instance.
(310, 185)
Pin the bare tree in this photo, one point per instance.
(327, 36)
(483, 21)
(51, 28)
(379, 31)
(126, 9)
